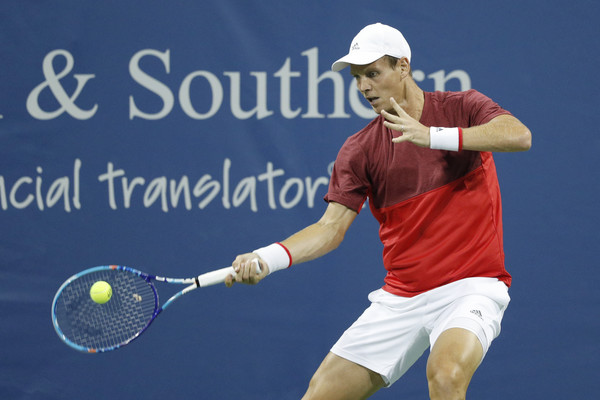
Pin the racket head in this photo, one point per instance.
(90, 327)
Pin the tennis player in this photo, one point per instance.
(426, 166)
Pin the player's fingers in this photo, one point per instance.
(247, 272)
(239, 276)
(395, 122)
(394, 126)
(263, 269)
(253, 272)
(236, 263)
(229, 281)
(398, 108)
(390, 118)
(399, 139)
(245, 267)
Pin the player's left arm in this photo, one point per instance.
(504, 133)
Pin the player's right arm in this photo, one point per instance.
(311, 242)
(320, 238)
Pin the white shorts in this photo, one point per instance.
(393, 333)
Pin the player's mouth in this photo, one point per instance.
(372, 100)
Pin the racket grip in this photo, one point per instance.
(219, 275)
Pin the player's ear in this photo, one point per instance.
(403, 65)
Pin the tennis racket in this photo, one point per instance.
(90, 327)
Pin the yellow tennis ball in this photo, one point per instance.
(101, 292)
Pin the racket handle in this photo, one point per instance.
(219, 275)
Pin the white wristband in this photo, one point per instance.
(445, 138)
(276, 255)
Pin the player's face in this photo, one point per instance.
(378, 82)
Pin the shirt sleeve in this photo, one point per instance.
(349, 184)
(481, 108)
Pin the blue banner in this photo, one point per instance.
(172, 136)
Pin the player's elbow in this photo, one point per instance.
(337, 239)
(523, 140)
(515, 137)
(518, 140)
(334, 238)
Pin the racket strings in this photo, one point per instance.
(101, 326)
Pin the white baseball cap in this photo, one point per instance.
(373, 42)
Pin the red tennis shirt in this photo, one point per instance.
(439, 211)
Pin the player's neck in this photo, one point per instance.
(413, 99)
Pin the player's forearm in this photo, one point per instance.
(311, 242)
(502, 134)
(314, 241)
(321, 237)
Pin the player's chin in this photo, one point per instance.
(378, 108)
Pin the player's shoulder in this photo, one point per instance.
(369, 131)
(444, 97)
(465, 101)
(370, 137)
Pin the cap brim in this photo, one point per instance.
(356, 58)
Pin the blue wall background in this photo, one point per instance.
(259, 178)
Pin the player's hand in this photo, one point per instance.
(412, 130)
(246, 270)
